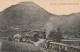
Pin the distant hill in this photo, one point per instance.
(68, 24)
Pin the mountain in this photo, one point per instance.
(64, 20)
(24, 15)
(68, 24)
(28, 15)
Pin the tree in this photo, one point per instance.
(35, 37)
(56, 36)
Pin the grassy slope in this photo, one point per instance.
(18, 47)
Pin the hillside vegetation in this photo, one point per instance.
(18, 47)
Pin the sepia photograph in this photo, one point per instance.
(39, 25)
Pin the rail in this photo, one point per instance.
(65, 47)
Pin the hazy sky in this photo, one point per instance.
(59, 8)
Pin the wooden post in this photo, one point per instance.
(59, 48)
(52, 46)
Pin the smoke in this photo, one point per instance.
(49, 27)
(53, 24)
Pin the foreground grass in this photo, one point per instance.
(7, 46)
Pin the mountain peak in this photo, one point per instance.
(28, 2)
